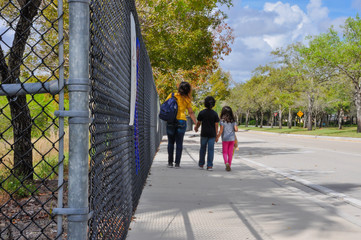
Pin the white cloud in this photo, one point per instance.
(316, 12)
(286, 14)
(279, 24)
(255, 43)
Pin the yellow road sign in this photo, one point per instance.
(300, 114)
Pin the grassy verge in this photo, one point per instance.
(46, 169)
(330, 131)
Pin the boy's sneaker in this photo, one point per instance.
(209, 168)
(177, 165)
(170, 165)
(201, 167)
(228, 168)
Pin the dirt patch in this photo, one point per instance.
(31, 218)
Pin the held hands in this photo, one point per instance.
(196, 128)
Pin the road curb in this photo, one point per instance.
(346, 139)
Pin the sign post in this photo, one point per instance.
(299, 114)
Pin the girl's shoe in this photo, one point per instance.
(228, 168)
(209, 168)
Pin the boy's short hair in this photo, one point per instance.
(209, 102)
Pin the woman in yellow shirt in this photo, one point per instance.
(176, 131)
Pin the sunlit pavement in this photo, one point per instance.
(246, 203)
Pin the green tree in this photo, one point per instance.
(343, 54)
(234, 100)
(10, 74)
(339, 97)
(286, 80)
(180, 33)
(217, 85)
(32, 57)
(313, 75)
(247, 97)
(184, 40)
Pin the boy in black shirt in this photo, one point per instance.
(209, 120)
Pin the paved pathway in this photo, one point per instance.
(246, 203)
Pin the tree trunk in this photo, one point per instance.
(327, 120)
(321, 121)
(310, 108)
(358, 108)
(10, 74)
(289, 118)
(21, 123)
(261, 125)
(340, 118)
(272, 119)
(256, 119)
(247, 118)
(315, 123)
(280, 118)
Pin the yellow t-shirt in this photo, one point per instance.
(183, 104)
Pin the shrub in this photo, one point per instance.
(252, 122)
(16, 187)
(48, 168)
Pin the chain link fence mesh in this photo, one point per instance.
(30, 80)
(33, 143)
(121, 155)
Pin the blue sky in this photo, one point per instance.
(262, 26)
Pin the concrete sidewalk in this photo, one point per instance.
(193, 204)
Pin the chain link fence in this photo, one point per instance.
(31, 136)
(121, 151)
(125, 131)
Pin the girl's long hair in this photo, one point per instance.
(227, 114)
(184, 89)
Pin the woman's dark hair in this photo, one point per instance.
(227, 114)
(209, 102)
(184, 89)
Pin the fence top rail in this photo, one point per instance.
(18, 89)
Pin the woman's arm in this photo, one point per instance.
(236, 128)
(191, 114)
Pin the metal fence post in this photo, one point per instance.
(78, 87)
(61, 120)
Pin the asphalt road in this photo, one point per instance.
(280, 188)
(329, 165)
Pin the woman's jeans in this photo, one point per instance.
(202, 152)
(175, 134)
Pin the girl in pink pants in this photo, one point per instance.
(227, 131)
(227, 150)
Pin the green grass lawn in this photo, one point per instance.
(330, 131)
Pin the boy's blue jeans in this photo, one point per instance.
(202, 152)
(175, 134)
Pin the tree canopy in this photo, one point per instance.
(321, 77)
(184, 40)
